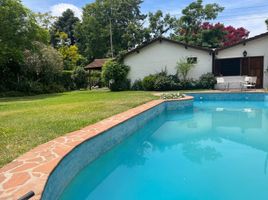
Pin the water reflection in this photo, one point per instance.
(198, 135)
(198, 153)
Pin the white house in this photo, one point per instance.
(249, 57)
(161, 54)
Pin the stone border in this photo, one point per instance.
(30, 171)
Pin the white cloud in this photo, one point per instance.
(254, 23)
(58, 9)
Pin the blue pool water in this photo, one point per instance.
(216, 150)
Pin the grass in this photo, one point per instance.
(26, 122)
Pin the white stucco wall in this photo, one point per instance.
(158, 56)
(257, 47)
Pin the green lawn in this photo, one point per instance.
(26, 122)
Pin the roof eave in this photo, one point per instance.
(137, 49)
(244, 41)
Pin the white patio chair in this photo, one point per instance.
(221, 81)
(249, 82)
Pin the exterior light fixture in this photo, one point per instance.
(245, 53)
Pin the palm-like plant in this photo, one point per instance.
(183, 67)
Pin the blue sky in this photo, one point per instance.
(247, 13)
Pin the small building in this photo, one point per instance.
(246, 58)
(163, 54)
(96, 64)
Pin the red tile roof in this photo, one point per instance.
(96, 64)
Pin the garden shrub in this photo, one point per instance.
(36, 88)
(137, 85)
(12, 94)
(207, 81)
(114, 75)
(95, 79)
(53, 88)
(148, 82)
(189, 84)
(160, 82)
(80, 78)
(164, 83)
(120, 85)
(65, 79)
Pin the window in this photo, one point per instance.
(192, 60)
(230, 67)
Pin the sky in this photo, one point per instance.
(249, 14)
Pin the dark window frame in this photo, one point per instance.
(192, 60)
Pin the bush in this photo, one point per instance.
(53, 88)
(37, 88)
(80, 78)
(148, 82)
(137, 85)
(42, 69)
(189, 84)
(12, 94)
(164, 83)
(114, 75)
(160, 82)
(207, 81)
(95, 79)
(120, 85)
(66, 80)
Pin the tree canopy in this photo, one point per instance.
(218, 35)
(65, 23)
(93, 32)
(193, 16)
(159, 24)
(18, 29)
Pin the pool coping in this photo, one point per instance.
(30, 171)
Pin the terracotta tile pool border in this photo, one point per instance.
(30, 171)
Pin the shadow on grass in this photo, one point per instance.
(31, 98)
(46, 96)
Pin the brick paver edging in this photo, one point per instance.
(31, 170)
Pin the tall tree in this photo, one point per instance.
(65, 23)
(18, 30)
(211, 36)
(189, 25)
(160, 24)
(266, 22)
(45, 20)
(93, 32)
(18, 27)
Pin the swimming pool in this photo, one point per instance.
(210, 150)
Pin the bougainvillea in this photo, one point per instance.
(234, 35)
(223, 35)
